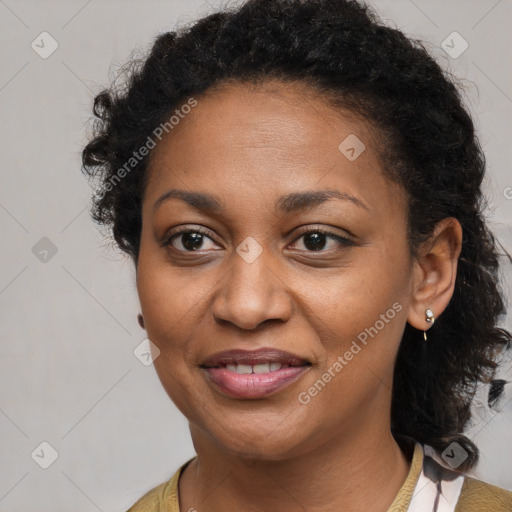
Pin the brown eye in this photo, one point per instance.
(189, 240)
(316, 240)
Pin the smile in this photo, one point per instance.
(244, 374)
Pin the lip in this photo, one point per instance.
(253, 385)
(261, 355)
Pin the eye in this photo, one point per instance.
(190, 240)
(316, 240)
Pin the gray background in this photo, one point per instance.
(68, 373)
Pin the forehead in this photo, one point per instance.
(276, 136)
(291, 118)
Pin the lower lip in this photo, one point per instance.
(254, 385)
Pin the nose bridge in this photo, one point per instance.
(251, 292)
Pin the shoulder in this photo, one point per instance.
(479, 496)
(163, 498)
(440, 487)
(151, 501)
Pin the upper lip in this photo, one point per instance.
(251, 357)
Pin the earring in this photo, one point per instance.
(429, 317)
(140, 318)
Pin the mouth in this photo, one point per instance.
(253, 374)
(261, 359)
(245, 369)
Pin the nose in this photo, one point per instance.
(251, 294)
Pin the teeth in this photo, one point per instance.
(261, 368)
(244, 368)
(257, 368)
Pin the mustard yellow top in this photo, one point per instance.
(457, 492)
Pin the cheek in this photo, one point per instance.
(356, 372)
(361, 315)
(170, 299)
(170, 305)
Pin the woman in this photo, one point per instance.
(298, 186)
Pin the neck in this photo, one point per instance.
(350, 473)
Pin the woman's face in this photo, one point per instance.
(260, 274)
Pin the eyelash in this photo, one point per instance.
(343, 241)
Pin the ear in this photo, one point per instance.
(435, 270)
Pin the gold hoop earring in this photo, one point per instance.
(429, 317)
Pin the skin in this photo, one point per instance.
(249, 146)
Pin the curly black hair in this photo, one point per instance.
(341, 50)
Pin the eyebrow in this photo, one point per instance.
(286, 204)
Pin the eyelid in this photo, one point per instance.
(309, 228)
